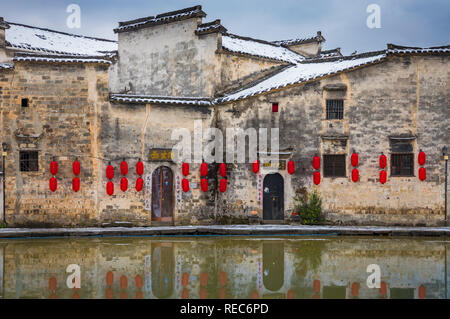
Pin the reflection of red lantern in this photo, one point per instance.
(123, 282)
(422, 292)
(184, 279)
(76, 168)
(185, 185)
(139, 184)
(290, 294)
(422, 158)
(255, 295)
(54, 168)
(76, 184)
(222, 293)
(110, 188)
(203, 293)
(124, 168)
(383, 288)
(204, 184)
(355, 289)
(203, 279)
(255, 166)
(383, 161)
(422, 173)
(124, 184)
(53, 184)
(316, 285)
(223, 278)
(139, 281)
(109, 172)
(291, 167)
(109, 293)
(185, 294)
(316, 178)
(204, 169)
(383, 177)
(316, 162)
(52, 283)
(223, 170)
(355, 175)
(223, 185)
(185, 169)
(355, 159)
(109, 278)
(139, 168)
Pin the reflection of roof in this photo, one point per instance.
(64, 58)
(259, 48)
(291, 42)
(142, 99)
(37, 39)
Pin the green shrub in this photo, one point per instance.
(309, 207)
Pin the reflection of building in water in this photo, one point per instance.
(2, 248)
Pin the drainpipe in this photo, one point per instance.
(4, 182)
(445, 155)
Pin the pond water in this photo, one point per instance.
(225, 267)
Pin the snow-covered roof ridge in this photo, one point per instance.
(259, 48)
(210, 27)
(142, 99)
(31, 38)
(330, 53)
(394, 48)
(291, 42)
(61, 58)
(6, 66)
(167, 17)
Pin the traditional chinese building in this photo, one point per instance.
(366, 131)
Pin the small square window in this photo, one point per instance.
(28, 161)
(402, 164)
(335, 109)
(274, 107)
(25, 102)
(334, 166)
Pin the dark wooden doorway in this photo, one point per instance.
(162, 194)
(273, 197)
(163, 265)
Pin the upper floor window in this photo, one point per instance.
(335, 109)
(25, 102)
(402, 164)
(28, 161)
(334, 166)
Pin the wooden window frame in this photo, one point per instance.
(327, 158)
(334, 109)
(400, 174)
(28, 163)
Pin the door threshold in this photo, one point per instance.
(275, 222)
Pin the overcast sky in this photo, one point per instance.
(342, 22)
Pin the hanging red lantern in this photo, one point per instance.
(223, 185)
(355, 289)
(76, 168)
(204, 169)
(185, 169)
(291, 167)
(316, 162)
(355, 175)
(204, 184)
(124, 168)
(124, 184)
(355, 159)
(223, 170)
(422, 173)
(76, 184)
(185, 185)
(316, 285)
(109, 172)
(255, 166)
(422, 292)
(54, 168)
(316, 178)
(422, 158)
(140, 168)
(383, 177)
(383, 161)
(110, 188)
(383, 288)
(53, 184)
(139, 184)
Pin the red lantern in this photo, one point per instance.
(355, 175)
(185, 185)
(223, 170)
(255, 166)
(110, 188)
(383, 288)
(124, 184)
(290, 294)
(139, 168)
(204, 184)
(54, 168)
(291, 167)
(316, 162)
(76, 168)
(383, 161)
(274, 107)
(422, 173)
(354, 159)
(316, 177)
(223, 185)
(185, 169)
(109, 172)
(422, 158)
(139, 184)
(316, 286)
(422, 292)
(53, 183)
(383, 177)
(204, 169)
(76, 184)
(355, 289)
(124, 168)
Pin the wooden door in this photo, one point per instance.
(273, 197)
(162, 194)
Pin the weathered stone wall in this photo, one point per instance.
(405, 95)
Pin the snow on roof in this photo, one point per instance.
(37, 39)
(393, 48)
(330, 53)
(6, 65)
(259, 48)
(32, 57)
(141, 99)
(291, 42)
(300, 73)
(210, 27)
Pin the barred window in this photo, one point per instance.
(335, 109)
(28, 161)
(334, 166)
(402, 164)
